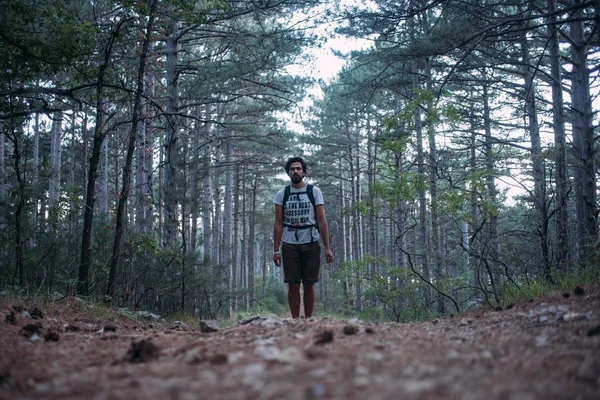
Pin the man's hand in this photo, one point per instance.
(328, 256)
(277, 259)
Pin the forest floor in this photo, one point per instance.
(542, 349)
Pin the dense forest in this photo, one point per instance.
(141, 144)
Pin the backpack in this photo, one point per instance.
(311, 197)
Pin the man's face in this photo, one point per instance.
(296, 173)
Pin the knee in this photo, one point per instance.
(293, 288)
(309, 288)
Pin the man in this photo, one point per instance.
(299, 222)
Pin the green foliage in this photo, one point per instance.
(566, 283)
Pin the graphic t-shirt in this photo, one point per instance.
(298, 212)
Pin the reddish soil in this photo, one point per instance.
(548, 348)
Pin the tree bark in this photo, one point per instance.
(171, 146)
(99, 135)
(563, 245)
(583, 142)
(539, 176)
(127, 170)
(55, 159)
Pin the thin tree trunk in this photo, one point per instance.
(171, 145)
(55, 159)
(251, 246)
(99, 135)
(539, 176)
(235, 274)
(207, 204)
(473, 249)
(423, 250)
(563, 245)
(127, 170)
(228, 217)
(492, 241)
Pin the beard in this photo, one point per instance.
(296, 179)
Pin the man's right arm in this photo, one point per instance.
(277, 233)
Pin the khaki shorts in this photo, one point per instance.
(301, 262)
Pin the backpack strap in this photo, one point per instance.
(286, 196)
(311, 197)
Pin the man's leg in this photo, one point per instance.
(309, 299)
(294, 299)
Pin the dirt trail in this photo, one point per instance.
(539, 350)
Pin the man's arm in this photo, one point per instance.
(324, 231)
(277, 233)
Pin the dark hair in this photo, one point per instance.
(292, 160)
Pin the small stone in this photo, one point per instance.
(142, 351)
(11, 318)
(320, 372)
(30, 329)
(72, 328)
(452, 354)
(51, 336)
(313, 353)
(180, 325)
(218, 359)
(542, 319)
(594, 331)
(541, 341)
(351, 329)
(465, 322)
(207, 326)
(573, 316)
(36, 313)
(233, 358)
(324, 337)
(487, 354)
(318, 390)
(435, 321)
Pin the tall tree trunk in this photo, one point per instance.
(423, 250)
(55, 159)
(372, 229)
(563, 256)
(195, 186)
(15, 136)
(346, 255)
(217, 221)
(245, 236)
(251, 246)
(103, 181)
(171, 145)
(539, 176)
(127, 170)
(228, 217)
(492, 242)
(583, 142)
(207, 196)
(99, 135)
(355, 226)
(235, 274)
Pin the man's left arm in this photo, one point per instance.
(324, 231)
